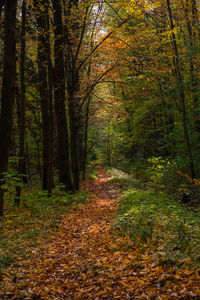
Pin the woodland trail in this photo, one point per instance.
(83, 261)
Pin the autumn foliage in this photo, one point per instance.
(84, 260)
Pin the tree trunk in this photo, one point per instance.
(86, 138)
(194, 80)
(22, 160)
(181, 93)
(27, 159)
(50, 82)
(8, 89)
(74, 128)
(43, 90)
(64, 168)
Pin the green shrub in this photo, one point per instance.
(91, 172)
(171, 229)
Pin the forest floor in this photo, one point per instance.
(84, 260)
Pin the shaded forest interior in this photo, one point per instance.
(116, 83)
(101, 83)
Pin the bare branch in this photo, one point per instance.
(97, 81)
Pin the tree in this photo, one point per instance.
(43, 59)
(8, 90)
(22, 160)
(64, 169)
(181, 92)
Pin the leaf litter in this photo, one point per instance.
(83, 260)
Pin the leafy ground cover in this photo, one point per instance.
(122, 180)
(171, 230)
(91, 172)
(84, 260)
(26, 228)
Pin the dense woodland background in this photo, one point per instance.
(99, 149)
(110, 82)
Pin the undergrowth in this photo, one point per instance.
(91, 172)
(171, 231)
(24, 229)
(125, 183)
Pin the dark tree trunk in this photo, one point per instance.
(74, 131)
(43, 90)
(8, 89)
(86, 138)
(195, 19)
(22, 160)
(191, 26)
(50, 82)
(64, 168)
(81, 143)
(73, 46)
(28, 159)
(181, 93)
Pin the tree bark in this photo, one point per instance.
(74, 134)
(86, 139)
(22, 160)
(8, 90)
(50, 82)
(64, 168)
(43, 89)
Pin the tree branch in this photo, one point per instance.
(95, 83)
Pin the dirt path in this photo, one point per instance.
(83, 262)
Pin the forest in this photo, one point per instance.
(99, 149)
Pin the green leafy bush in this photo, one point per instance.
(171, 229)
(11, 180)
(156, 170)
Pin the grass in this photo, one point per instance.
(91, 172)
(170, 230)
(25, 228)
(125, 183)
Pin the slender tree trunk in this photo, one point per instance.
(22, 160)
(38, 158)
(59, 94)
(74, 128)
(164, 106)
(27, 158)
(108, 150)
(43, 90)
(38, 143)
(50, 82)
(8, 89)
(181, 93)
(86, 138)
(195, 17)
(192, 43)
(81, 142)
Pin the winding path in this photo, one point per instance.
(83, 261)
